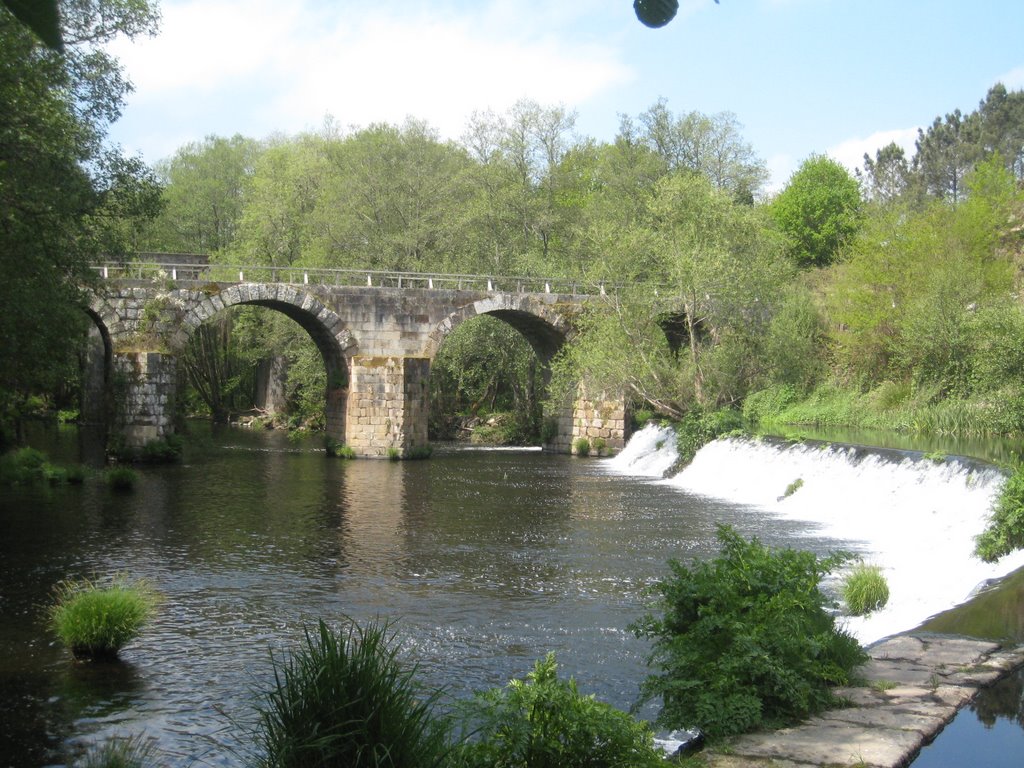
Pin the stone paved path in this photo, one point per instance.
(914, 686)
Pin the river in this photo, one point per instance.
(485, 560)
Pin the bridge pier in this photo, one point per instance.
(144, 385)
(604, 417)
(387, 405)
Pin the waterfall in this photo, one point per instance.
(914, 517)
(651, 452)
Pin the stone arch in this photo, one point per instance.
(327, 330)
(540, 322)
(96, 365)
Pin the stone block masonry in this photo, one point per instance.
(144, 390)
(387, 405)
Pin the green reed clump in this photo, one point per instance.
(865, 589)
(582, 446)
(119, 752)
(121, 478)
(98, 621)
(345, 700)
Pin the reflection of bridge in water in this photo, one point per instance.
(377, 332)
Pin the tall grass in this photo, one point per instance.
(344, 700)
(865, 589)
(98, 621)
(119, 752)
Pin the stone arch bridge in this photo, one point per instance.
(377, 333)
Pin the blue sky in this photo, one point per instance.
(838, 77)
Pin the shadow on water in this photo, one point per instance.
(990, 731)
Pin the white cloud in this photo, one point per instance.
(283, 66)
(1013, 80)
(851, 152)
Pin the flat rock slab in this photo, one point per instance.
(823, 743)
(916, 684)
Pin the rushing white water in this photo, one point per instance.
(651, 452)
(913, 517)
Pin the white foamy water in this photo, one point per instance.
(651, 452)
(914, 518)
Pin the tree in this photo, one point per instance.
(946, 152)
(63, 195)
(203, 199)
(706, 144)
(885, 177)
(818, 210)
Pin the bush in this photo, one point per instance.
(746, 640)
(118, 752)
(420, 452)
(97, 622)
(865, 589)
(167, 450)
(121, 478)
(544, 722)
(600, 445)
(1005, 530)
(345, 700)
(339, 449)
(22, 467)
(581, 447)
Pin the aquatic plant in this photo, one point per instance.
(864, 589)
(118, 752)
(121, 478)
(420, 452)
(23, 466)
(600, 445)
(793, 487)
(543, 721)
(335, 447)
(394, 454)
(581, 447)
(344, 700)
(98, 621)
(745, 640)
(1005, 530)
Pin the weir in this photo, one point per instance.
(913, 516)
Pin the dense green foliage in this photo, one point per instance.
(1005, 530)
(64, 197)
(97, 621)
(745, 640)
(544, 722)
(864, 589)
(818, 211)
(346, 700)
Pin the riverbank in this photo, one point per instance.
(913, 686)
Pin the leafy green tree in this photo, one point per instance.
(203, 197)
(707, 144)
(818, 210)
(63, 194)
(1002, 127)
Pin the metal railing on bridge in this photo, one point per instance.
(224, 273)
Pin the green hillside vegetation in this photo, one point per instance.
(887, 297)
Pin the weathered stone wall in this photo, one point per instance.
(387, 405)
(144, 389)
(602, 418)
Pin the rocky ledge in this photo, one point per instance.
(913, 686)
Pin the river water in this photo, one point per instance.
(485, 560)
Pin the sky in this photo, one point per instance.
(803, 77)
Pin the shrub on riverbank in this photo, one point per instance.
(121, 478)
(27, 466)
(1005, 530)
(745, 640)
(344, 699)
(698, 428)
(97, 622)
(865, 589)
(545, 722)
